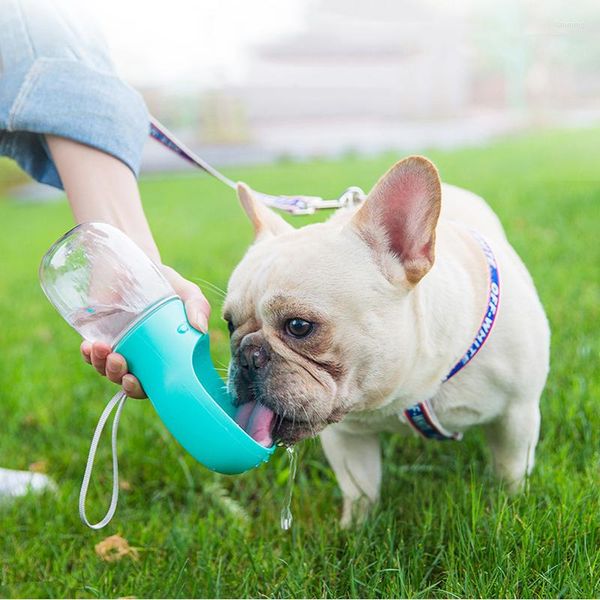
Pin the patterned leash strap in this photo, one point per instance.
(295, 205)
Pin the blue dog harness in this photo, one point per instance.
(421, 417)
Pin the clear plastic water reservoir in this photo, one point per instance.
(101, 282)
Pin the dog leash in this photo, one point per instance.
(295, 205)
(421, 416)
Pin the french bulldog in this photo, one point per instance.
(338, 327)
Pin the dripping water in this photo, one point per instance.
(286, 513)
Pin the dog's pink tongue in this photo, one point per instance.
(256, 419)
(243, 414)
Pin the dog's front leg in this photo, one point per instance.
(356, 461)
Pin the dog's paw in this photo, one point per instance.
(514, 485)
(355, 511)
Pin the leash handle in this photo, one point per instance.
(295, 205)
(117, 400)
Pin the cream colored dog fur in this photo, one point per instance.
(395, 292)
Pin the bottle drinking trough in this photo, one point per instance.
(107, 289)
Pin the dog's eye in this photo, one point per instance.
(298, 328)
(230, 327)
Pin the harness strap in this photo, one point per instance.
(491, 308)
(423, 420)
(421, 416)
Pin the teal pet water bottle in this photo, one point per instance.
(108, 290)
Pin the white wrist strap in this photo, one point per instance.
(117, 400)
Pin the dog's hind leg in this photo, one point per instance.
(512, 439)
(356, 462)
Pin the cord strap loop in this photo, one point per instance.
(117, 400)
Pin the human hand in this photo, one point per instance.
(114, 365)
(197, 307)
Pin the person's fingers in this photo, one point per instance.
(197, 310)
(86, 351)
(132, 387)
(113, 365)
(197, 307)
(100, 351)
(116, 367)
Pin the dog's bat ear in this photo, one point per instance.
(266, 222)
(400, 215)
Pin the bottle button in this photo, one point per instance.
(183, 328)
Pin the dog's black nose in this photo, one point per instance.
(253, 357)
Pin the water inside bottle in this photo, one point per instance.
(286, 512)
(101, 322)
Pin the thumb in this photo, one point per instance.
(196, 305)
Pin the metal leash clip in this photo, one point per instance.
(308, 205)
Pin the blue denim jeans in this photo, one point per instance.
(56, 77)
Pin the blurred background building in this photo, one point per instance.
(246, 82)
(357, 76)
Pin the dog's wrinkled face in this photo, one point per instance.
(286, 316)
(310, 311)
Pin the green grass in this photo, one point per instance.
(444, 527)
